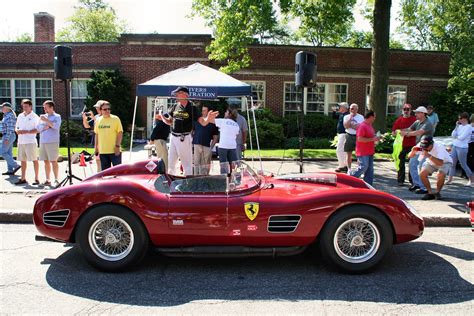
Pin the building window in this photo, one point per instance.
(42, 93)
(22, 91)
(396, 98)
(5, 91)
(258, 93)
(78, 96)
(320, 98)
(15, 90)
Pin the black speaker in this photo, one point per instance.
(63, 62)
(305, 69)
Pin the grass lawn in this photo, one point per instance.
(308, 153)
(63, 150)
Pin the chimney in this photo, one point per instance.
(44, 27)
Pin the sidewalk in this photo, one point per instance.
(17, 202)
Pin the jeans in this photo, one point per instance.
(7, 152)
(415, 167)
(401, 166)
(226, 156)
(365, 166)
(460, 154)
(107, 160)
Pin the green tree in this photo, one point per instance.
(364, 39)
(379, 62)
(112, 86)
(92, 21)
(24, 38)
(322, 22)
(441, 25)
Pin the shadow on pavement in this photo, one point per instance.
(412, 273)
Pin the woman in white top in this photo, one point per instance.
(462, 136)
(228, 131)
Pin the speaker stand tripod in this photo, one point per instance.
(69, 174)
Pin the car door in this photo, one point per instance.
(198, 205)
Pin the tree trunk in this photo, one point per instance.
(379, 65)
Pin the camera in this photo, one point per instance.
(88, 114)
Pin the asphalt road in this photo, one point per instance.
(433, 275)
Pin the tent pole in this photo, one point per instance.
(250, 125)
(256, 135)
(133, 128)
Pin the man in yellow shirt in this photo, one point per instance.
(108, 137)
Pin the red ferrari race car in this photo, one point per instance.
(118, 214)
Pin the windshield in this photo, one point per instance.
(223, 178)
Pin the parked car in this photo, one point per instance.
(116, 215)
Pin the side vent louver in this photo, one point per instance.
(56, 218)
(283, 223)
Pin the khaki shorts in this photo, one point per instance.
(443, 169)
(49, 152)
(27, 152)
(350, 144)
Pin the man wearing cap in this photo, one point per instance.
(26, 124)
(182, 117)
(351, 123)
(8, 138)
(341, 135)
(404, 121)
(421, 127)
(88, 121)
(436, 158)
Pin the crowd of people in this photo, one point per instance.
(426, 155)
(193, 135)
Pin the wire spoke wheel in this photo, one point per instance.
(356, 240)
(111, 238)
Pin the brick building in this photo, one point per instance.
(343, 74)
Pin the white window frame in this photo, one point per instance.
(264, 94)
(33, 91)
(326, 96)
(367, 96)
(71, 98)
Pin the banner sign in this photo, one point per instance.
(200, 92)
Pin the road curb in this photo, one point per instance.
(430, 221)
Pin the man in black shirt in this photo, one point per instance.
(160, 134)
(204, 138)
(182, 116)
(341, 136)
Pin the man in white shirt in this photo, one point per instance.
(351, 123)
(26, 130)
(436, 158)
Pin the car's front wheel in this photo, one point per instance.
(112, 238)
(356, 239)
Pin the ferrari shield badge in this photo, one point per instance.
(251, 210)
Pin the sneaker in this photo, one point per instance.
(400, 184)
(413, 188)
(470, 183)
(449, 182)
(20, 182)
(55, 183)
(421, 191)
(47, 183)
(36, 182)
(438, 196)
(428, 196)
(343, 169)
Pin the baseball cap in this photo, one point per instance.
(344, 104)
(7, 104)
(426, 141)
(421, 109)
(180, 88)
(99, 103)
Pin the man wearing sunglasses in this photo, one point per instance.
(404, 121)
(436, 158)
(108, 137)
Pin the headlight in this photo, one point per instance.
(412, 209)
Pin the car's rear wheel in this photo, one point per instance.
(112, 238)
(356, 238)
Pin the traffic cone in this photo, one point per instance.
(82, 161)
